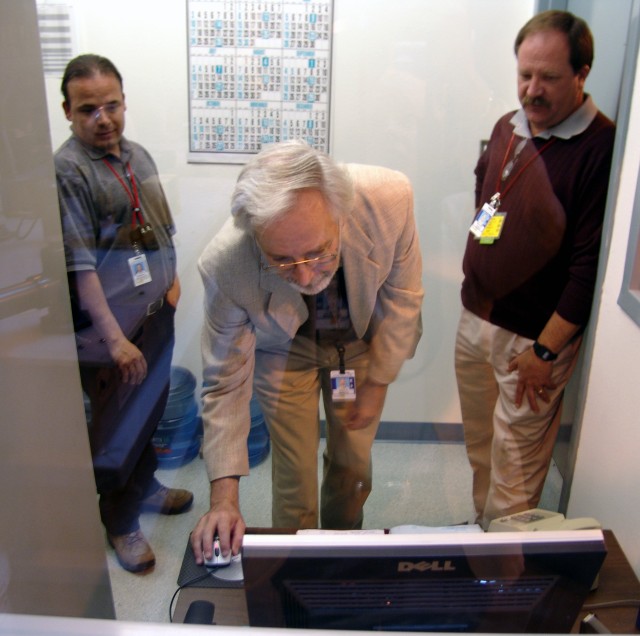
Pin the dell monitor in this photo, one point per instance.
(466, 582)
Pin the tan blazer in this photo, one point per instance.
(246, 307)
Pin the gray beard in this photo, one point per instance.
(316, 288)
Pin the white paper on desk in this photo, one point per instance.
(321, 531)
(411, 529)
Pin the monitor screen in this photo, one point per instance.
(486, 582)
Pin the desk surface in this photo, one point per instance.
(617, 582)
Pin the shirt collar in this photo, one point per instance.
(99, 153)
(573, 125)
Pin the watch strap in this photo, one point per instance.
(543, 353)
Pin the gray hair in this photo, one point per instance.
(268, 184)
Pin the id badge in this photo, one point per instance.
(482, 219)
(139, 270)
(343, 385)
(494, 228)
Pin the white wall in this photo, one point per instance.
(415, 88)
(606, 482)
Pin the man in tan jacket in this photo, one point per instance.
(313, 286)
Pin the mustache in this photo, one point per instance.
(535, 101)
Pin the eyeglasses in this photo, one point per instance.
(312, 262)
(107, 109)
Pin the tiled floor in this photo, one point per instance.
(424, 484)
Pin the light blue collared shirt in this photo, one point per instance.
(575, 124)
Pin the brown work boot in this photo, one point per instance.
(133, 552)
(168, 501)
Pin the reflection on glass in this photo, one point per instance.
(413, 94)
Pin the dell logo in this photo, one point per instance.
(424, 566)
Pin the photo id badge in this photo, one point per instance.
(480, 223)
(139, 270)
(343, 385)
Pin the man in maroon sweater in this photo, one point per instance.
(530, 264)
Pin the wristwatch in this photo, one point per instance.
(543, 353)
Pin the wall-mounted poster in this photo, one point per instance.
(259, 73)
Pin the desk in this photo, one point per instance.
(617, 582)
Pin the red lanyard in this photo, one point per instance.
(522, 169)
(131, 193)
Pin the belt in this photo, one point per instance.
(155, 306)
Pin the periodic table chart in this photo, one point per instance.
(259, 73)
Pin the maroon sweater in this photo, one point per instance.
(547, 256)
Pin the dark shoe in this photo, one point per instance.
(168, 501)
(133, 552)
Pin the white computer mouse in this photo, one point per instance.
(217, 560)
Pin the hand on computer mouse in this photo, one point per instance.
(223, 520)
(217, 560)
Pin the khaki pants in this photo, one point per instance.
(288, 382)
(509, 449)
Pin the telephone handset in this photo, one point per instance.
(538, 519)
